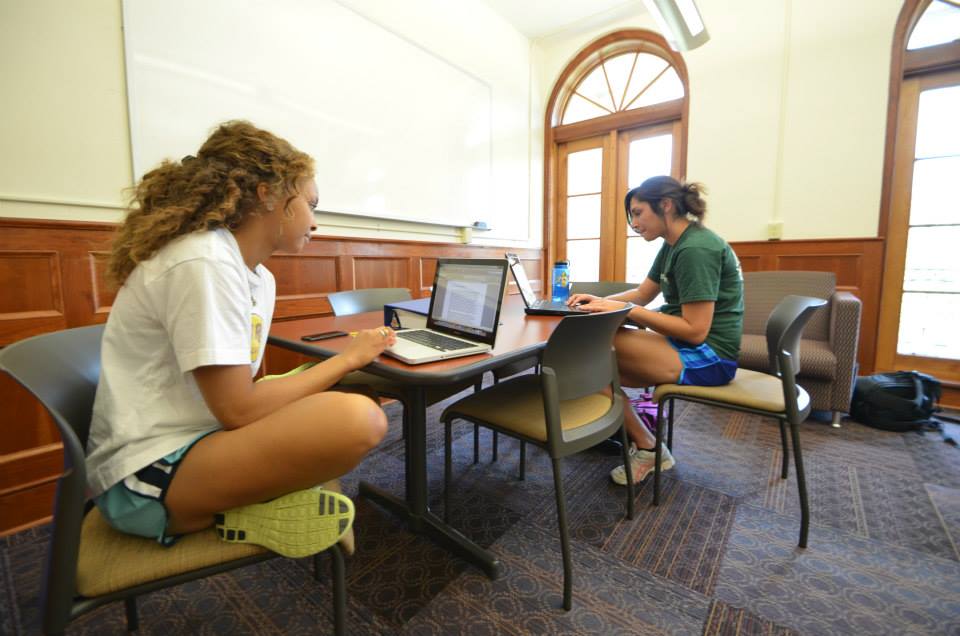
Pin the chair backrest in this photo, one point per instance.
(358, 301)
(600, 287)
(784, 328)
(579, 355)
(61, 370)
(763, 290)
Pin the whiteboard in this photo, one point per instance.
(396, 131)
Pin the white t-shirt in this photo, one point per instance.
(194, 303)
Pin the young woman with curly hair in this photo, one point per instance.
(181, 434)
(694, 338)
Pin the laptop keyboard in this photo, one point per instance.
(434, 340)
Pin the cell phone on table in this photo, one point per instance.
(323, 335)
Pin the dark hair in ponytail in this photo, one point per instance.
(687, 197)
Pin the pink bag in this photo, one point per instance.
(646, 410)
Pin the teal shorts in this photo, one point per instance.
(135, 504)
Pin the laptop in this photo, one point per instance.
(464, 312)
(533, 304)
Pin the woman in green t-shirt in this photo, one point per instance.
(694, 337)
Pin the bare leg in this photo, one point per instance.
(301, 445)
(645, 358)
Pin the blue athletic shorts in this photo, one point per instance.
(702, 366)
(135, 505)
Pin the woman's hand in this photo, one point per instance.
(367, 345)
(577, 299)
(602, 304)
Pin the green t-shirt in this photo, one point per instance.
(701, 266)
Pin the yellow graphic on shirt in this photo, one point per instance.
(256, 336)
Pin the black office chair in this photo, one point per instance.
(89, 563)
(560, 409)
(775, 395)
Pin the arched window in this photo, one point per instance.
(920, 216)
(617, 115)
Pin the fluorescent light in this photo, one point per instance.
(680, 23)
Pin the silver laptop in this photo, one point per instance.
(464, 312)
(534, 305)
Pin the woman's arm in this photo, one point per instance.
(235, 400)
(691, 326)
(643, 294)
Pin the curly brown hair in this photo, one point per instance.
(217, 188)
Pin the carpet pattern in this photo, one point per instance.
(718, 557)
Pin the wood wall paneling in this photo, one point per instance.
(857, 264)
(52, 276)
(381, 271)
(103, 291)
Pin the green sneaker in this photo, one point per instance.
(298, 524)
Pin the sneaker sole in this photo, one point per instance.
(295, 525)
(665, 464)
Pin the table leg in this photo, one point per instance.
(415, 510)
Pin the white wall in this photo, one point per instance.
(787, 117)
(787, 112)
(64, 111)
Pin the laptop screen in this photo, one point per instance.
(523, 283)
(466, 297)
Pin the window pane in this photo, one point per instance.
(647, 68)
(584, 257)
(938, 125)
(584, 170)
(664, 89)
(594, 87)
(579, 109)
(640, 255)
(618, 72)
(932, 264)
(928, 325)
(939, 24)
(649, 157)
(583, 217)
(934, 198)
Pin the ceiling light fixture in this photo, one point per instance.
(680, 23)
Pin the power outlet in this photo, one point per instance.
(775, 230)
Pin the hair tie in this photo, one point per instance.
(187, 159)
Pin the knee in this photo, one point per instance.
(367, 420)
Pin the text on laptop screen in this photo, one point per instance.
(467, 297)
(523, 283)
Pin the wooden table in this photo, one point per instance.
(519, 336)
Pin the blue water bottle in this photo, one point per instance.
(561, 282)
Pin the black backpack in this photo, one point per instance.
(898, 401)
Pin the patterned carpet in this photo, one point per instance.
(717, 557)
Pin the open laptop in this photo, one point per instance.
(464, 312)
(533, 304)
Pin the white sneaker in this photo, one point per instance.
(642, 462)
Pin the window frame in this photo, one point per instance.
(674, 112)
(911, 72)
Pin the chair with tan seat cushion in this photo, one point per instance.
(562, 409)
(90, 564)
(775, 395)
(828, 358)
(111, 561)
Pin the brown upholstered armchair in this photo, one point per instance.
(828, 350)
